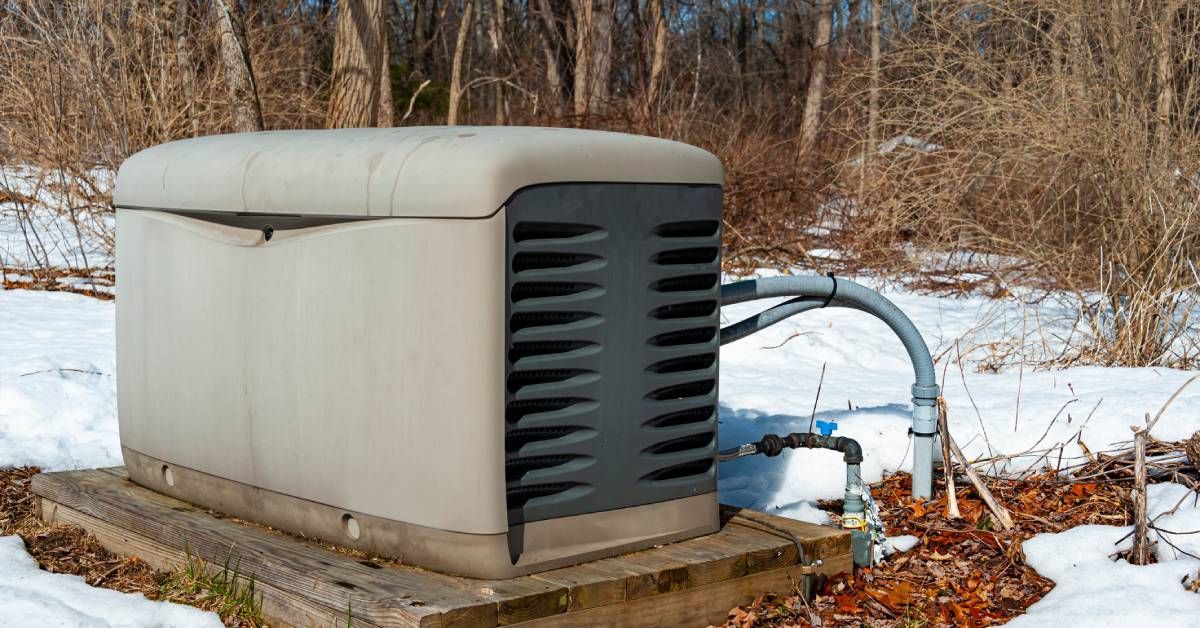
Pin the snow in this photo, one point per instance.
(58, 403)
(32, 597)
(769, 382)
(58, 411)
(1092, 589)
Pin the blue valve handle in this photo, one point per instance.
(826, 427)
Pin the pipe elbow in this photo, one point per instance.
(852, 452)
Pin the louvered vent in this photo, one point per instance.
(612, 346)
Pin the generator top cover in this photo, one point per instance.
(435, 172)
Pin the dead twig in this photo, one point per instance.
(947, 461)
(998, 511)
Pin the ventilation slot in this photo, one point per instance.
(700, 255)
(688, 229)
(520, 379)
(679, 471)
(517, 467)
(519, 495)
(683, 417)
(684, 337)
(683, 391)
(693, 309)
(525, 231)
(684, 443)
(684, 364)
(550, 347)
(517, 410)
(686, 284)
(543, 289)
(514, 440)
(526, 320)
(539, 261)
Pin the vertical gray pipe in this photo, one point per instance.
(814, 292)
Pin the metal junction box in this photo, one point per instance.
(485, 351)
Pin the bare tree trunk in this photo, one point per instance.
(497, 55)
(460, 46)
(358, 53)
(584, 16)
(550, 46)
(593, 54)
(239, 75)
(183, 60)
(387, 107)
(873, 99)
(658, 59)
(811, 124)
(1165, 79)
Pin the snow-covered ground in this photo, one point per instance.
(32, 597)
(1091, 589)
(58, 410)
(1026, 418)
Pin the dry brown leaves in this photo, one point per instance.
(962, 572)
(69, 549)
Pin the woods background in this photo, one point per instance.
(966, 144)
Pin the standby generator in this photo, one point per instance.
(484, 351)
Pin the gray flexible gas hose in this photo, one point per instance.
(814, 292)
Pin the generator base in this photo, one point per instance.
(302, 583)
(539, 545)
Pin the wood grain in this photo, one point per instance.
(697, 606)
(304, 584)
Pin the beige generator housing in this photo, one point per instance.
(484, 351)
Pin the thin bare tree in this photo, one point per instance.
(810, 125)
(239, 73)
(460, 45)
(387, 107)
(593, 54)
(873, 98)
(658, 54)
(183, 62)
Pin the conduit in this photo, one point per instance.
(815, 292)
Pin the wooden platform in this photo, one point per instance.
(693, 583)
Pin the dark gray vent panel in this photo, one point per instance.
(611, 374)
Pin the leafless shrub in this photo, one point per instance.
(84, 84)
(1061, 134)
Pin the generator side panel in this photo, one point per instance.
(612, 346)
(356, 365)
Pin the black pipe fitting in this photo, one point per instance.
(772, 445)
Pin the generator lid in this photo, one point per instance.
(440, 172)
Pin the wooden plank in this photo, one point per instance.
(707, 559)
(305, 584)
(764, 551)
(817, 541)
(276, 602)
(649, 574)
(401, 596)
(696, 606)
(588, 585)
(522, 599)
